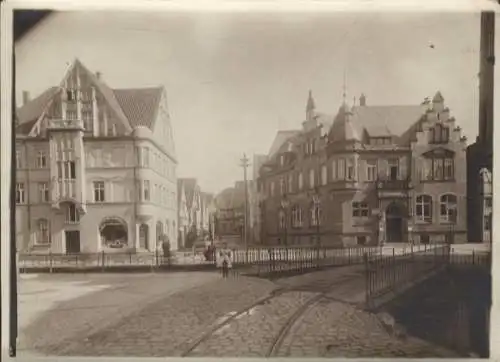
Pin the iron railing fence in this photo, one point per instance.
(389, 273)
(265, 260)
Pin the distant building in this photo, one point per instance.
(230, 213)
(95, 167)
(195, 208)
(480, 153)
(368, 175)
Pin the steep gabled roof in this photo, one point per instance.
(106, 92)
(280, 139)
(140, 105)
(134, 106)
(29, 112)
(380, 121)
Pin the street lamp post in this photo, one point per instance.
(316, 203)
(284, 206)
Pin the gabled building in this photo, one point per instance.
(230, 213)
(95, 167)
(368, 175)
(199, 206)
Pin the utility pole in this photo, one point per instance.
(245, 163)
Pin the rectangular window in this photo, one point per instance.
(290, 183)
(316, 215)
(448, 169)
(146, 190)
(427, 172)
(20, 193)
(41, 160)
(99, 191)
(438, 169)
(70, 170)
(87, 120)
(43, 192)
(488, 202)
(334, 169)
(423, 208)
(341, 169)
(72, 215)
(371, 170)
(70, 95)
(360, 209)
(272, 188)
(361, 240)
(282, 186)
(311, 178)
(42, 235)
(71, 115)
(350, 170)
(393, 169)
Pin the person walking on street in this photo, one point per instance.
(225, 262)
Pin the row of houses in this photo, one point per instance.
(96, 169)
(368, 175)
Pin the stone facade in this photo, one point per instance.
(369, 175)
(93, 172)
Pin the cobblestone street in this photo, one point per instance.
(167, 315)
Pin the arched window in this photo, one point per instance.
(301, 181)
(42, 233)
(448, 208)
(324, 175)
(423, 208)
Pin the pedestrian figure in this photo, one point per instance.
(225, 262)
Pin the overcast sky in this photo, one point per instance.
(233, 80)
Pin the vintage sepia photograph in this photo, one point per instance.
(252, 184)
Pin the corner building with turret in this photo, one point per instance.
(367, 176)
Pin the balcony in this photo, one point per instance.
(387, 188)
(65, 124)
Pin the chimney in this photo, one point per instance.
(98, 75)
(362, 100)
(26, 97)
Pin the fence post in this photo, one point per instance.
(349, 256)
(102, 260)
(50, 261)
(367, 281)
(473, 257)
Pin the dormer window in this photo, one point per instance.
(282, 160)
